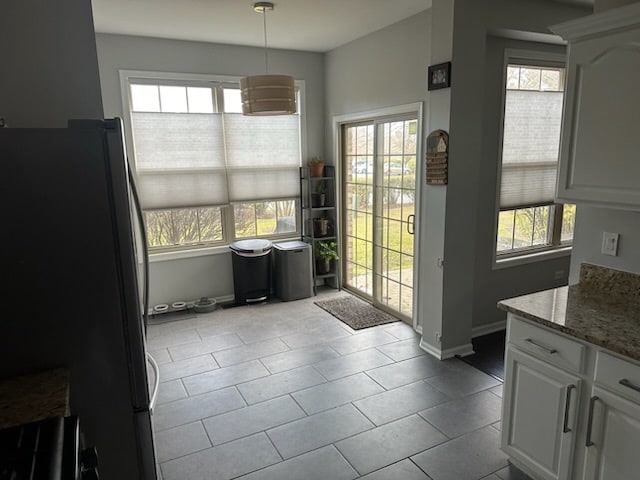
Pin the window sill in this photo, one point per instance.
(200, 252)
(533, 257)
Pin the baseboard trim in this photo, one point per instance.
(488, 328)
(440, 354)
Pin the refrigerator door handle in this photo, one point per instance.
(156, 382)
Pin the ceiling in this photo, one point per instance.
(309, 25)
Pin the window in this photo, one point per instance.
(528, 219)
(207, 174)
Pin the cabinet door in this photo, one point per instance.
(613, 438)
(600, 142)
(539, 415)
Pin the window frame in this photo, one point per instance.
(218, 83)
(555, 248)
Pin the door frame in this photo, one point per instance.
(338, 121)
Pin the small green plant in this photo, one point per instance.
(327, 251)
(315, 161)
(320, 187)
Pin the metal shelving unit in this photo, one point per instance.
(312, 209)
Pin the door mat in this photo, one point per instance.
(356, 313)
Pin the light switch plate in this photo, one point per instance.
(610, 243)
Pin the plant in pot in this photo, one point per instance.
(316, 167)
(325, 253)
(319, 194)
(321, 226)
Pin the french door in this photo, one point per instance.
(378, 202)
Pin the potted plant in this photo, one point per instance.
(321, 226)
(325, 253)
(319, 195)
(316, 167)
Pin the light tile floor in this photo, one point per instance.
(284, 391)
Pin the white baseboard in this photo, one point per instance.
(488, 328)
(440, 354)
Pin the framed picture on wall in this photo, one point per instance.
(439, 76)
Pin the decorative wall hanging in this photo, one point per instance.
(437, 157)
(439, 76)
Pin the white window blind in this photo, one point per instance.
(531, 140)
(180, 160)
(263, 156)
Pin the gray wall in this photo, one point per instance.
(388, 68)
(469, 286)
(191, 278)
(492, 285)
(590, 223)
(384, 69)
(49, 65)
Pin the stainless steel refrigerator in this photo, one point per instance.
(73, 296)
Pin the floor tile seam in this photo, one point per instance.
(416, 465)
(232, 384)
(204, 353)
(339, 405)
(392, 360)
(459, 435)
(366, 372)
(217, 367)
(211, 445)
(247, 360)
(158, 430)
(195, 396)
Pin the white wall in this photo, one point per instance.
(191, 278)
(591, 222)
(49, 66)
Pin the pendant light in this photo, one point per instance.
(267, 94)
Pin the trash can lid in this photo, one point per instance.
(252, 245)
(292, 245)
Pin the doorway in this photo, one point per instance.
(379, 162)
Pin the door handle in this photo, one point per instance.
(567, 405)
(592, 404)
(411, 227)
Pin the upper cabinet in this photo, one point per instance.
(600, 146)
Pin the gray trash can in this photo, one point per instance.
(292, 270)
(251, 260)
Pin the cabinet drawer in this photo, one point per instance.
(618, 375)
(546, 345)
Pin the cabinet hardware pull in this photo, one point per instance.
(627, 383)
(550, 351)
(567, 405)
(592, 404)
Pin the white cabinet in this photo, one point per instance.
(540, 404)
(570, 409)
(613, 437)
(600, 146)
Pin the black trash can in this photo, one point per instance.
(251, 260)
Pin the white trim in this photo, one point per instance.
(532, 257)
(488, 328)
(627, 16)
(405, 109)
(462, 350)
(156, 257)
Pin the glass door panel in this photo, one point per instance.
(379, 200)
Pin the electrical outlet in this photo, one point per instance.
(610, 243)
(438, 337)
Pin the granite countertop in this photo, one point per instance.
(602, 309)
(29, 398)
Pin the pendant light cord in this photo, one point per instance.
(266, 52)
